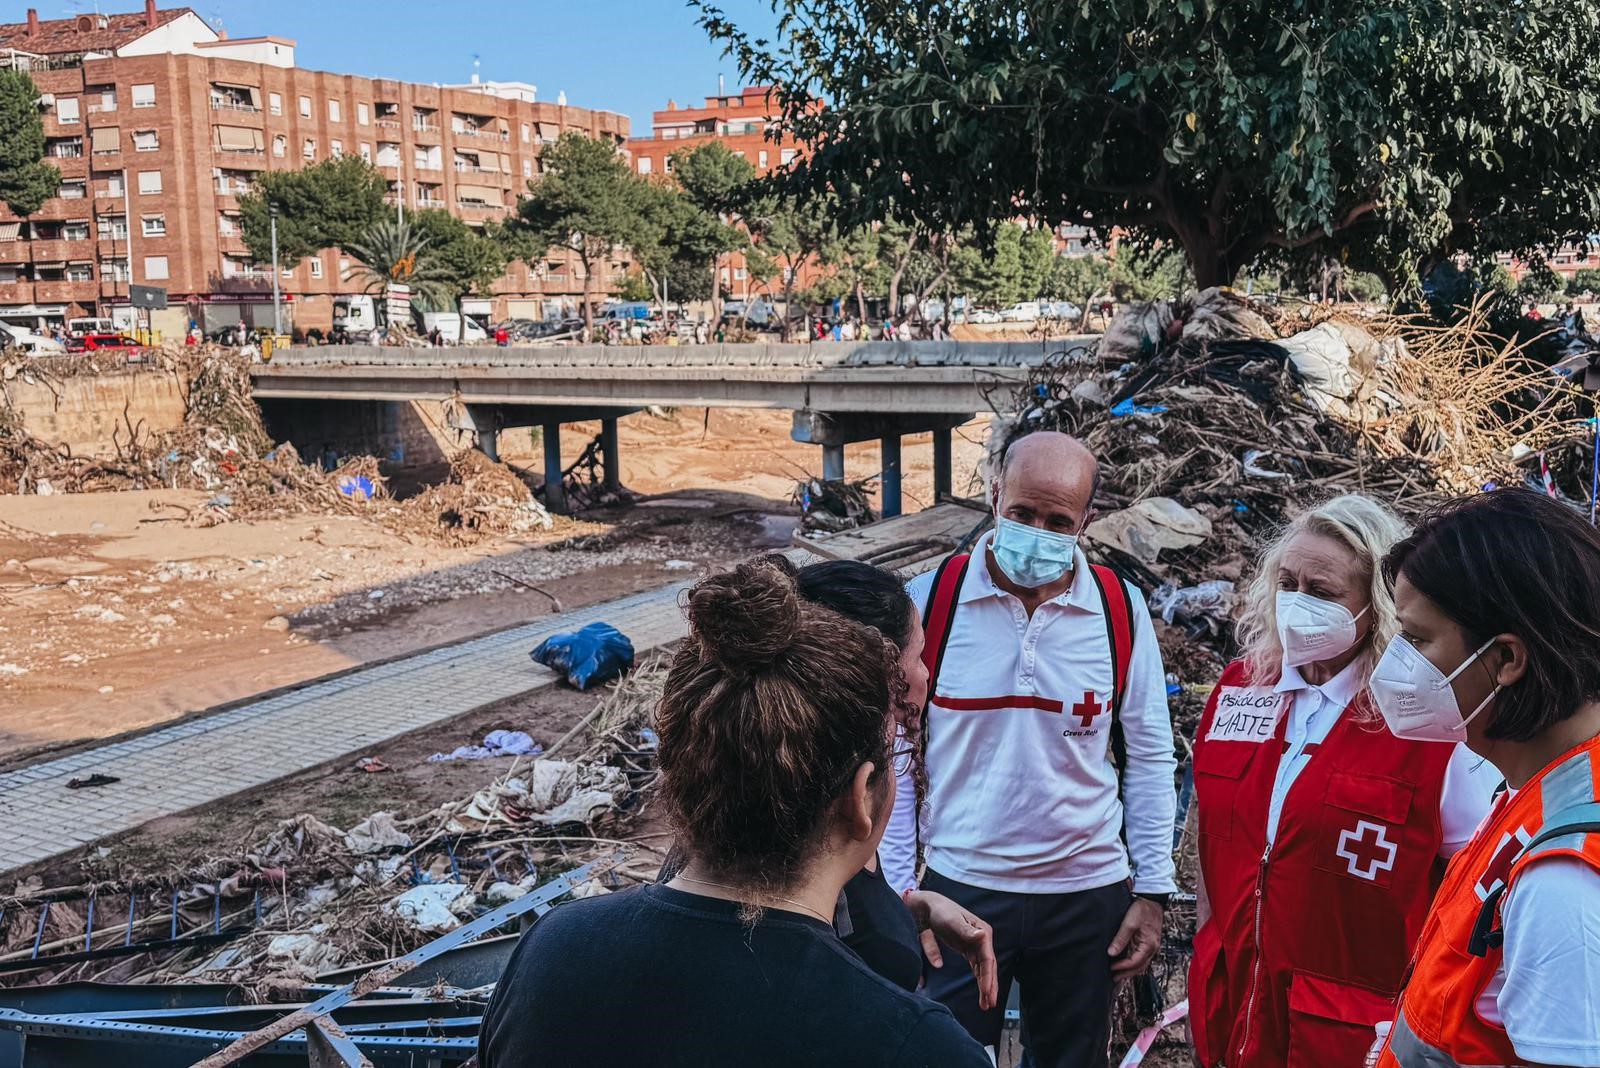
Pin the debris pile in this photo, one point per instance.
(1216, 419)
(830, 506)
(480, 499)
(308, 897)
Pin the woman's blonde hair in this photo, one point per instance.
(1369, 530)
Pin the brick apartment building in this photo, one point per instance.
(157, 123)
(740, 121)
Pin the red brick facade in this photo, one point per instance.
(156, 149)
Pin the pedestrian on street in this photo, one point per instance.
(1301, 805)
(848, 330)
(502, 336)
(776, 727)
(1498, 598)
(1041, 670)
(700, 332)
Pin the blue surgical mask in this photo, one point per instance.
(1032, 557)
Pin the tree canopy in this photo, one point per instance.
(467, 261)
(26, 181)
(1389, 133)
(326, 205)
(588, 202)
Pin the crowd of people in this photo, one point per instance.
(894, 802)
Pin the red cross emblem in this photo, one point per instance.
(1367, 850)
(1088, 708)
(1499, 866)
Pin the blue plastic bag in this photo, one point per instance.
(592, 656)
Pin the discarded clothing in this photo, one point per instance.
(495, 744)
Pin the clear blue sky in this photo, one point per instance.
(628, 56)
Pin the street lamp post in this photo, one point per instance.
(277, 316)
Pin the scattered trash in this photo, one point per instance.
(14, 669)
(499, 743)
(375, 834)
(371, 765)
(554, 793)
(679, 565)
(96, 779)
(359, 487)
(1204, 609)
(433, 906)
(1127, 407)
(831, 506)
(592, 656)
(1145, 529)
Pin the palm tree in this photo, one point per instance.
(391, 253)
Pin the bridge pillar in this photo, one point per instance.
(489, 443)
(942, 479)
(555, 493)
(611, 453)
(889, 494)
(833, 463)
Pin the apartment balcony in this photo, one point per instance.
(62, 250)
(471, 209)
(65, 292)
(107, 160)
(232, 244)
(427, 129)
(15, 251)
(234, 106)
(430, 202)
(107, 204)
(487, 135)
(74, 166)
(242, 158)
(392, 124)
(16, 293)
(56, 209)
(108, 247)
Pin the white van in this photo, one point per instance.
(454, 327)
(34, 344)
(356, 314)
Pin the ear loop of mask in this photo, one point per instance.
(1492, 693)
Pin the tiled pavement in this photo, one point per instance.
(207, 758)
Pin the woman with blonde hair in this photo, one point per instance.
(1322, 836)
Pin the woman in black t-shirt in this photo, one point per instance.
(776, 731)
(890, 934)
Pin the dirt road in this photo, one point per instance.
(116, 616)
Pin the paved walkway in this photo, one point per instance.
(207, 758)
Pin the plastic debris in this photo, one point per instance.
(1150, 526)
(592, 656)
(433, 906)
(498, 743)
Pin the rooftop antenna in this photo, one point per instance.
(474, 68)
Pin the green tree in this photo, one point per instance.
(1401, 131)
(721, 189)
(788, 232)
(992, 275)
(26, 181)
(326, 205)
(393, 252)
(1037, 254)
(1365, 286)
(1585, 280)
(678, 242)
(467, 261)
(634, 287)
(1083, 280)
(588, 202)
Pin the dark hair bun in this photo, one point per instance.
(746, 618)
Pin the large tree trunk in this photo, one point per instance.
(861, 304)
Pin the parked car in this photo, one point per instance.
(107, 343)
(1026, 311)
(983, 315)
(755, 312)
(1059, 309)
(633, 311)
(34, 344)
(91, 326)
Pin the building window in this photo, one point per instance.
(108, 98)
(149, 182)
(305, 107)
(144, 96)
(75, 231)
(344, 266)
(644, 164)
(146, 141)
(72, 191)
(155, 267)
(113, 186)
(226, 226)
(114, 270)
(363, 114)
(154, 225)
(739, 273)
(527, 168)
(64, 148)
(280, 145)
(786, 157)
(335, 112)
(316, 268)
(336, 148)
(67, 111)
(366, 151)
(275, 103)
(309, 149)
(667, 166)
(740, 154)
(80, 272)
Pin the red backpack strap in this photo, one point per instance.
(940, 612)
(1117, 608)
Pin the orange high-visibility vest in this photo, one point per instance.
(1459, 952)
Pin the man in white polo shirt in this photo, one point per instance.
(1025, 821)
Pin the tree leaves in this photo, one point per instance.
(326, 205)
(26, 182)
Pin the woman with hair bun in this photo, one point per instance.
(777, 724)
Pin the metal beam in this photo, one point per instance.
(327, 1046)
(816, 427)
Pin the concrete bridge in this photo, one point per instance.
(840, 392)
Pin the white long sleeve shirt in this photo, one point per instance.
(1022, 795)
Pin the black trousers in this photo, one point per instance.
(1055, 946)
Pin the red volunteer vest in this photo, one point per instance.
(1307, 946)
